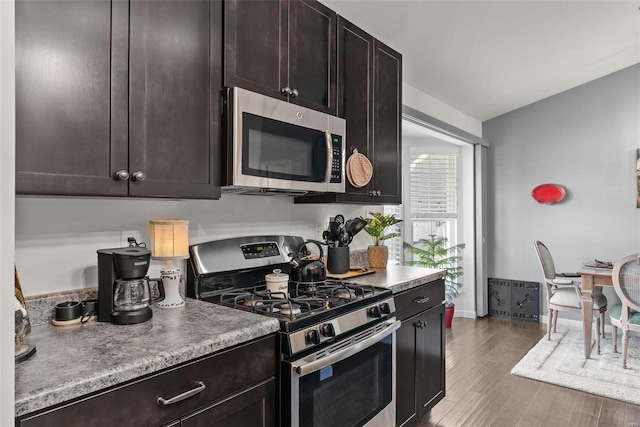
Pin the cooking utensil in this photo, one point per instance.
(353, 227)
(307, 270)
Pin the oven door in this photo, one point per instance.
(349, 383)
(284, 146)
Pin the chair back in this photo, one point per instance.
(626, 280)
(546, 261)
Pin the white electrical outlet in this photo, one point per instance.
(124, 236)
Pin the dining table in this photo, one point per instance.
(591, 277)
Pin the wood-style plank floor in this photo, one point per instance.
(482, 392)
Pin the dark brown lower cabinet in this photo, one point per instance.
(237, 387)
(419, 352)
(253, 407)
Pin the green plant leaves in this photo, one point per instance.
(435, 253)
(377, 226)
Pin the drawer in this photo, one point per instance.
(419, 299)
(136, 403)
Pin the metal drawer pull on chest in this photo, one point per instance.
(187, 394)
(421, 300)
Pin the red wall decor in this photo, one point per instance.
(548, 194)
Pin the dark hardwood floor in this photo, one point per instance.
(482, 392)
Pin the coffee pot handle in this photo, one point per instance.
(160, 289)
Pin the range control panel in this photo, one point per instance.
(260, 250)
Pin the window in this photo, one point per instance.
(432, 197)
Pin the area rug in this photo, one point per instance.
(561, 361)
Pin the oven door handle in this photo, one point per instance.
(327, 176)
(303, 368)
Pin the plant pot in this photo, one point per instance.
(448, 315)
(377, 256)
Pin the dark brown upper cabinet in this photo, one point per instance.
(285, 49)
(116, 98)
(370, 99)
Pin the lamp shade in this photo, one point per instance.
(169, 238)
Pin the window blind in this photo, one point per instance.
(433, 185)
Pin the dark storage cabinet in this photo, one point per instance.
(420, 352)
(285, 49)
(369, 98)
(239, 389)
(116, 98)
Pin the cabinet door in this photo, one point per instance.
(355, 103)
(312, 55)
(430, 358)
(175, 79)
(71, 76)
(255, 45)
(407, 410)
(387, 116)
(255, 407)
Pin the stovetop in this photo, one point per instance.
(305, 303)
(232, 272)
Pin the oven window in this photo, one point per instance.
(281, 150)
(350, 392)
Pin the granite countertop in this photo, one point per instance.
(73, 361)
(399, 278)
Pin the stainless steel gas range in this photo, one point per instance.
(337, 339)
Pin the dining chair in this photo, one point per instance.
(626, 315)
(565, 294)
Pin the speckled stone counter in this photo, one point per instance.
(399, 278)
(72, 361)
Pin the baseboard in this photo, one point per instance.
(465, 313)
(578, 324)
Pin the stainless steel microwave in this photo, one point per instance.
(275, 147)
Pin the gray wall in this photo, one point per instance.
(584, 139)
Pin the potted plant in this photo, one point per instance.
(434, 252)
(377, 224)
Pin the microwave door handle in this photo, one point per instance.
(327, 177)
(303, 368)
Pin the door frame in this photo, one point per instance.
(476, 304)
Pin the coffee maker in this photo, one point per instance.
(123, 286)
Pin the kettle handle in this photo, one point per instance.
(302, 246)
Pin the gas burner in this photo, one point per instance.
(253, 303)
(344, 293)
(290, 309)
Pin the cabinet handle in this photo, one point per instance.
(138, 176)
(187, 394)
(122, 175)
(421, 324)
(286, 90)
(421, 300)
(294, 93)
(378, 193)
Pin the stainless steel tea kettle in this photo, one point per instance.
(305, 269)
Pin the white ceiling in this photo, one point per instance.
(486, 58)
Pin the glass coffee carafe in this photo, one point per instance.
(131, 294)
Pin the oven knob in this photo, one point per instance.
(385, 308)
(312, 336)
(327, 330)
(374, 312)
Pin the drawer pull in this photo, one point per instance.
(421, 300)
(187, 394)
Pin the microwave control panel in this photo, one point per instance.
(336, 166)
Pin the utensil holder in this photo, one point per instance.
(338, 259)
